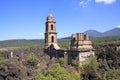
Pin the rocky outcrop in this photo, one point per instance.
(12, 71)
(18, 68)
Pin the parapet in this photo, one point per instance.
(80, 41)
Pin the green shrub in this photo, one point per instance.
(2, 60)
(32, 60)
(91, 63)
(62, 62)
(56, 72)
(39, 76)
(75, 63)
(113, 74)
(90, 68)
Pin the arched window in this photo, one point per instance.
(52, 38)
(74, 39)
(51, 26)
(85, 37)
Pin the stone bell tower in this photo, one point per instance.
(50, 32)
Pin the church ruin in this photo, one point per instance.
(80, 45)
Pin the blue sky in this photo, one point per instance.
(25, 19)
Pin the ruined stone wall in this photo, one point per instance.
(84, 55)
(80, 41)
(82, 45)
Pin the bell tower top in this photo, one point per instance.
(50, 18)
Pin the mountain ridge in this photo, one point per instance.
(109, 33)
(94, 33)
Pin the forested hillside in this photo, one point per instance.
(29, 43)
(106, 40)
(21, 43)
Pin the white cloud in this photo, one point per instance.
(105, 1)
(118, 26)
(84, 3)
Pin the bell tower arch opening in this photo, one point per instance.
(85, 37)
(52, 39)
(51, 26)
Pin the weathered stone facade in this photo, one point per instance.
(80, 45)
(80, 41)
(50, 33)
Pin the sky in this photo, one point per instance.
(25, 19)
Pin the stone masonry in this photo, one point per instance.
(80, 45)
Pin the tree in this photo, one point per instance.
(32, 60)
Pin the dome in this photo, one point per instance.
(50, 17)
